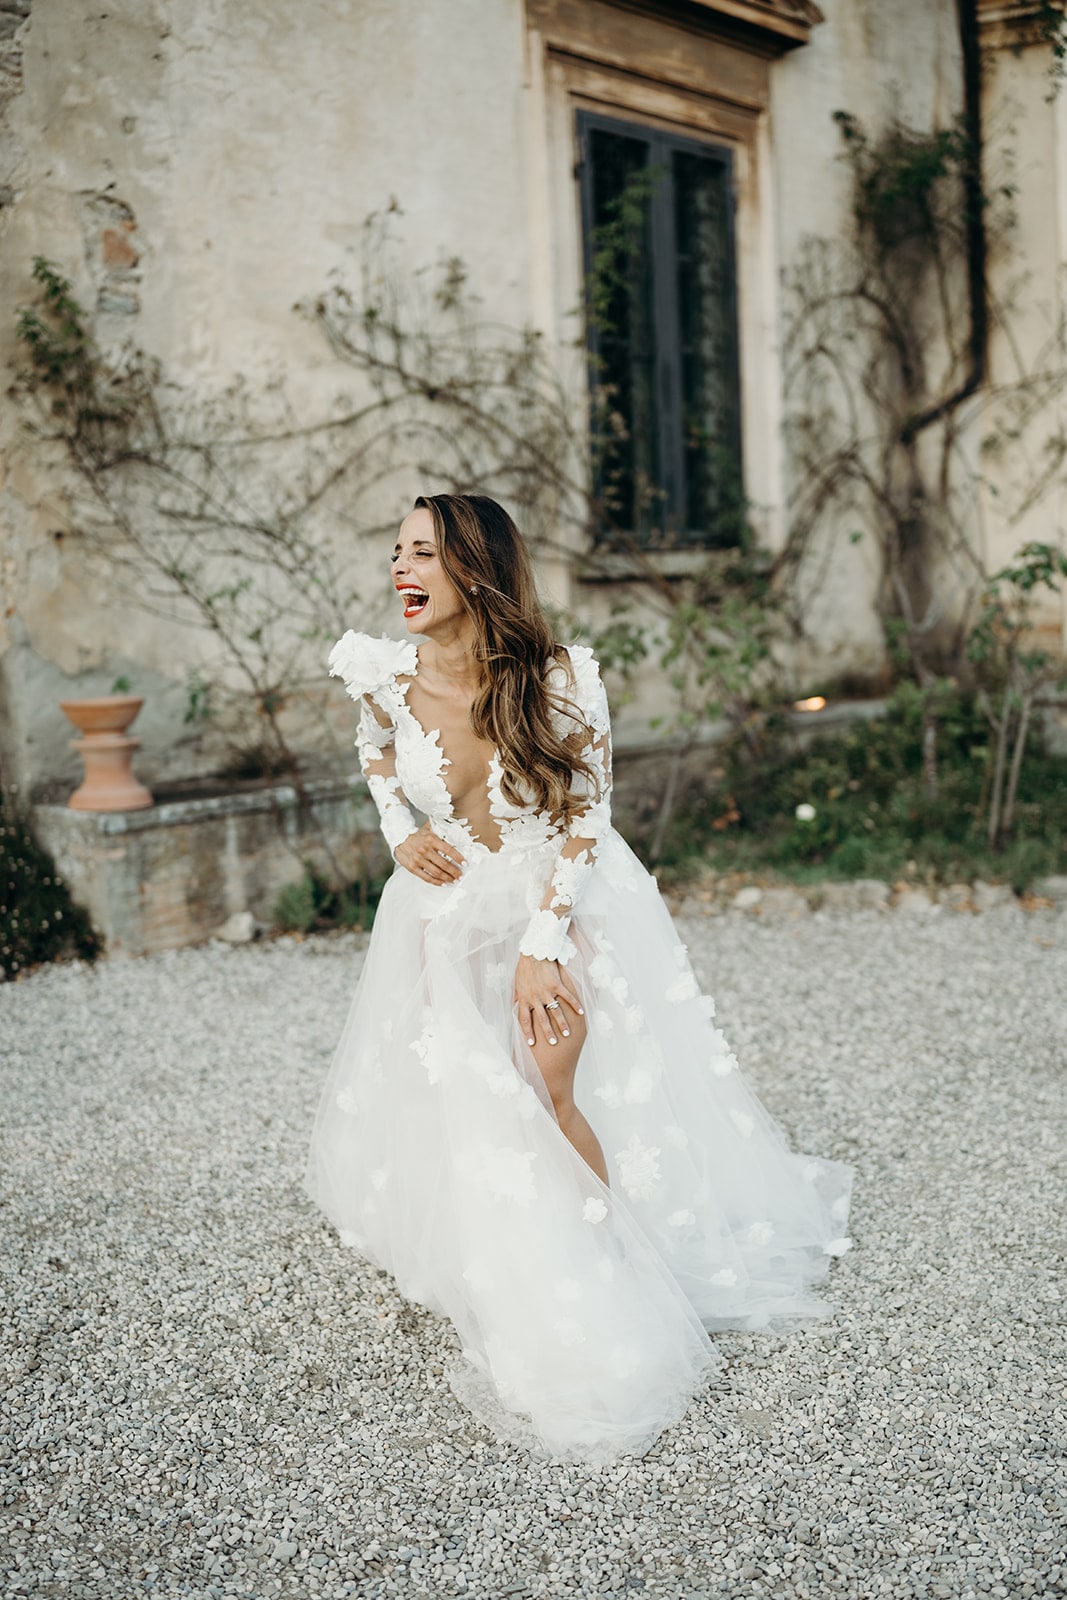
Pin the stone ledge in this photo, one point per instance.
(172, 875)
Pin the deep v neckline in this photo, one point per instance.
(432, 738)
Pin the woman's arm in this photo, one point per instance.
(376, 748)
(546, 938)
(420, 850)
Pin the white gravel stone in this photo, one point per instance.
(784, 903)
(239, 928)
(992, 896)
(871, 894)
(915, 902)
(748, 898)
(203, 1394)
(840, 897)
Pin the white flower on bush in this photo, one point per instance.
(804, 812)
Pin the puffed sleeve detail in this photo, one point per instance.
(365, 664)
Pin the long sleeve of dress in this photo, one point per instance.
(369, 669)
(376, 747)
(546, 937)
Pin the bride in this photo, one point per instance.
(531, 1119)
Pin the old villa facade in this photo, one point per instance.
(197, 171)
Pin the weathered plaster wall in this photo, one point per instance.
(199, 169)
(1028, 279)
(876, 62)
(880, 62)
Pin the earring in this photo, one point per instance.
(473, 589)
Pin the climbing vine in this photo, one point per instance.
(885, 366)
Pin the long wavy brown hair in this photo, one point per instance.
(480, 546)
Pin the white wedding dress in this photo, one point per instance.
(581, 1310)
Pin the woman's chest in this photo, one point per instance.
(443, 752)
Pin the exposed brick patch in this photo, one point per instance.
(118, 249)
(109, 228)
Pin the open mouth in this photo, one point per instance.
(414, 600)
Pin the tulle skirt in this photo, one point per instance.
(582, 1311)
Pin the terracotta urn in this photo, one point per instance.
(107, 752)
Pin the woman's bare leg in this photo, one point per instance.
(558, 1064)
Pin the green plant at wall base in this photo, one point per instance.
(871, 814)
(311, 904)
(715, 643)
(886, 372)
(38, 920)
(1013, 669)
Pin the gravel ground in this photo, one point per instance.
(203, 1394)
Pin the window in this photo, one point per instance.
(661, 291)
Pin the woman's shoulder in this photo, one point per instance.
(366, 664)
(575, 676)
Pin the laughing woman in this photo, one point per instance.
(522, 962)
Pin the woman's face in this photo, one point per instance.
(432, 604)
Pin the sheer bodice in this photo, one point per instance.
(405, 763)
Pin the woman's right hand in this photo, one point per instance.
(428, 857)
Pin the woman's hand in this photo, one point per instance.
(537, 985)
(428, 857)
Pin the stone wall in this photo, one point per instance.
(174, 874)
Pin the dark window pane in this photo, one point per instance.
(622, 326)
(661, 284)
(707, 349)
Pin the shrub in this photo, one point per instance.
(310, 904)
(38, 920)
(872, 817)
